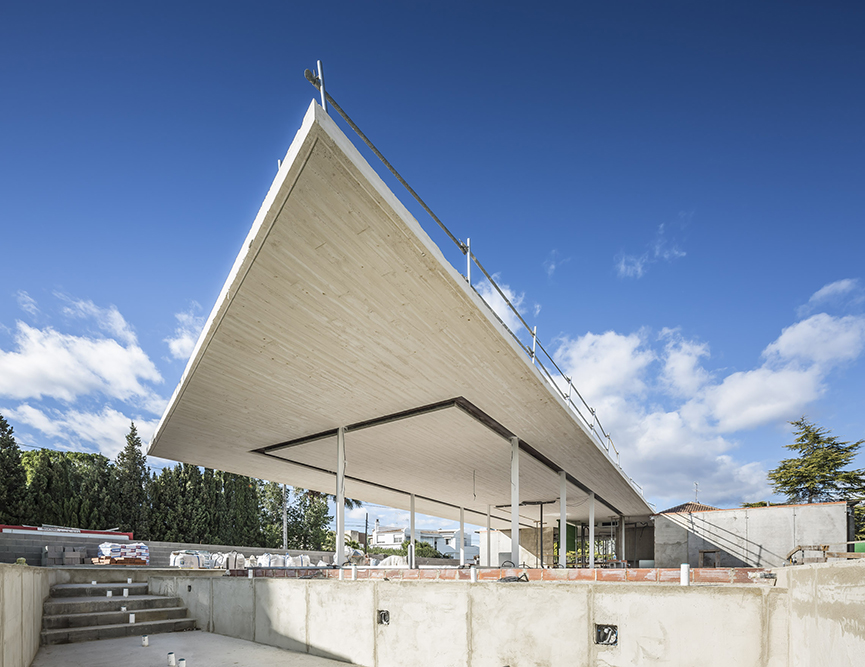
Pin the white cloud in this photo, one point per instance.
(833, 293)
(604, 364)
(749, 399)
(189, 325)
(553, 262)
(821, 339)
(631, 266)
(682, 372)
(675, 422)
(660, 248)
(107, 319)
(27, 303)
(82, 431)
(500, 308)
(47, 363)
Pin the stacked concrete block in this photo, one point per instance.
(52, 555)
(57, 555)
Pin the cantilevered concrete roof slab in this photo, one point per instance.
(340, 311)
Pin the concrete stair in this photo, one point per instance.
(84, 612)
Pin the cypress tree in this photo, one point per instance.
(211, 506)
(191, 512)
(93, 474)
(271, 514)
(130, 487)
(13, 478)
(40, 487)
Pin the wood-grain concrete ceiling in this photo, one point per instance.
(339, 311)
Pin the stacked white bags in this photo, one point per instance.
(191, 559)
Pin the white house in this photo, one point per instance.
(444, 540)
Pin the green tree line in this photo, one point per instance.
(183, 503)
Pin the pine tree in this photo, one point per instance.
(308, 519)
(13, 478)
(817, 474)
(130, 487)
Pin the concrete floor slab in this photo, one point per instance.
(201, 649)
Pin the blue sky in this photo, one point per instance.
(672, 191)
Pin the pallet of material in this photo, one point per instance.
(105, 560)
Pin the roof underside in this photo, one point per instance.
(340, 311)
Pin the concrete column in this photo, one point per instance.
(515, 500)
(462, 537)
(340, 495)
(489, 538)
(591, 545)
(412, 563)
(563, 519)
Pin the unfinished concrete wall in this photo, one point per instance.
(826, 610)
(22, 591)
(747, 537)
(490, 624)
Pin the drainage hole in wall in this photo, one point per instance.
(383, 617)
(608, 635)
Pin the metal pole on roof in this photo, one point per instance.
(340, 496)
(515, 500)
(412, 562)
(462, 537)
(563, 519)
(591, 545)
(320, 75)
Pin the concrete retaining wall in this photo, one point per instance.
(22, 591)
(490, 624)
(826, 613)
(752, 537)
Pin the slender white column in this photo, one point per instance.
(622, 539)
(489, 538)
(412, 562)
(563, 519)
(591, 545)
(462, 537)
(340, 495)
(515, 500)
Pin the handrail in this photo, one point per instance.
(596, 430)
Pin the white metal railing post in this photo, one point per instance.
(469, 261)
(534, 342)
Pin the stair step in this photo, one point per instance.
(86, 619)
(81, 605)
(97, 590)
(93, 632)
